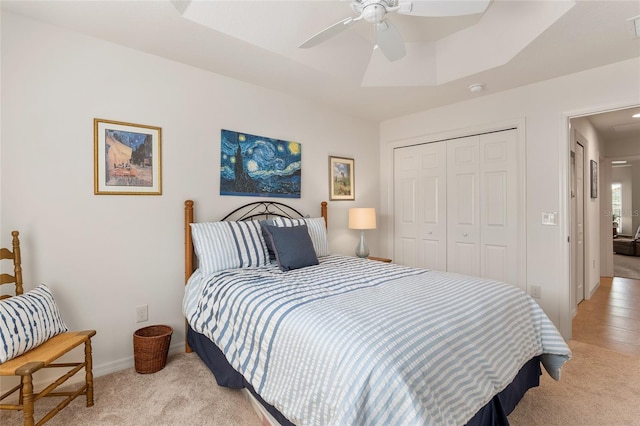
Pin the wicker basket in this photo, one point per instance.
(150, 348)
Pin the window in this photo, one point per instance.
(616, 205)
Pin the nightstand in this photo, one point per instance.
(379, 259)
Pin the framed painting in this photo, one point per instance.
(341, 179)
(594, 179)
(127, 158)
(259, 166)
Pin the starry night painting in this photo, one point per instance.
(258, 166)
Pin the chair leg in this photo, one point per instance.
(27, 403)
(20, 394)
(88, 372)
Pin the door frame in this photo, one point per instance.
(578, 139)
(566, 314)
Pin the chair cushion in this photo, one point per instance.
(27, 321)
(624, 246)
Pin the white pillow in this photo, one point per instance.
(27, 321)
(317, 231)
(637, 237)
(229, 245)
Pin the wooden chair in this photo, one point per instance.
(43, 356)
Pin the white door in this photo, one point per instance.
(579, 223)
(499, 207)
(456, 206)
(463, 206)
(420, 198)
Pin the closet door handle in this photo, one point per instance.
(465, 235)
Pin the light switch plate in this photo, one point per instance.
(549, 218)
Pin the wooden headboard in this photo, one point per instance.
(255, 210)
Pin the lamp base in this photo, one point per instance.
(362, 250)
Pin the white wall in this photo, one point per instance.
(623, 176)
(629, 149)
(104, 255)
(635, 196)
(594, 208)
(545, 107)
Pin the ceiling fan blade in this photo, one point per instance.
(328, 32)
(440, 8)
(390, 41)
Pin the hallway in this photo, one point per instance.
(611, 318)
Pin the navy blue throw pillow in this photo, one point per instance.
(267, 239)
(292, 246)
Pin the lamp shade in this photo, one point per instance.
(362, 218)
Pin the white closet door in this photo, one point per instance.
(463, 206)
(405, 220)
(499, 207)
(420, 225)
(456, 206)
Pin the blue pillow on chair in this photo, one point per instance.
(28, 320)
(292, 246)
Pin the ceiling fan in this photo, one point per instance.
(388, 37)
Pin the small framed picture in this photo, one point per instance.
(594, 179)
(341, 179)
(127, 158)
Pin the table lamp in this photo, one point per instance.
(362, 218)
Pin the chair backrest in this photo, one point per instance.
(14, 255)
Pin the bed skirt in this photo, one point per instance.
(493, 414)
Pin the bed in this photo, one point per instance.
(340, 340)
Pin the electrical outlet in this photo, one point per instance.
(142, 313)
(536, 292)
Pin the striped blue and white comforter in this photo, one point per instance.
(353, 341)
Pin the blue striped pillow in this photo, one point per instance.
(229, 245)
(317, 231)
(27, 321)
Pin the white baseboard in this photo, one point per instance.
(44, 377)
(128, 362)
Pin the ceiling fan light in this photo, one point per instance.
(374, 13)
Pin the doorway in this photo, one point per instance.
(578, 144)
(600, 138)
(624, 209)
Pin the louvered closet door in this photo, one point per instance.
(463, 206)
(420, 206)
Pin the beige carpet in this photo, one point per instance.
(183, 393)
(626, 266)
(598, 387)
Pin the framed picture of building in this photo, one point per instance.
(341, 179)
(127, 158)
(594, 179)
